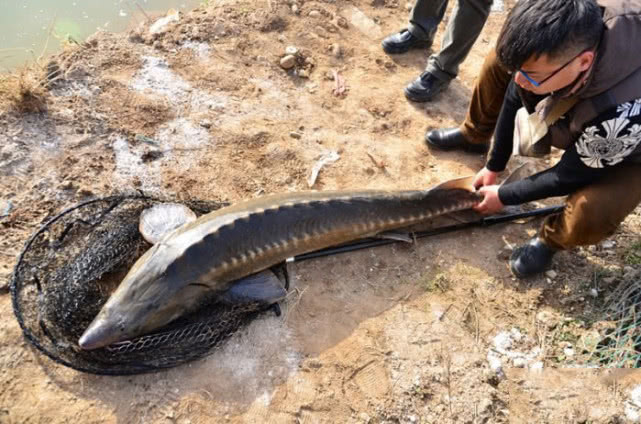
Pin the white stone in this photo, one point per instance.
(288, 62)
(519, 362)
(293, 50)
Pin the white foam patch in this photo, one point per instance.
(130, 168)
(156, 77)
(182, 134)
(633, 405)
(201, 49)
(253, 362)
(181, 144)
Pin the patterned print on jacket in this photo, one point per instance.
(611, 141)
(612, 138)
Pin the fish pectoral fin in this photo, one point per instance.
(263, 287)
(394, 235)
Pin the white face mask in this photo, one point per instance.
(530, 129)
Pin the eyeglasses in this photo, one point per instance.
(538, 84)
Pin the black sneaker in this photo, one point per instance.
(403, 41)
(531, 258)
(452, 138)
(425, 87)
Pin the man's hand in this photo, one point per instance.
(491, 202)
(485, 177)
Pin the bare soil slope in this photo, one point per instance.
(397, 334)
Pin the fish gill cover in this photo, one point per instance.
(70, 266)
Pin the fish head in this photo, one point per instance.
(151, 295)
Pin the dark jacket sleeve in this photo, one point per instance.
(614, 137)
(503, 136)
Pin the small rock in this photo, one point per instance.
(66, 185)
(295, 135)
(291, 50)
(314, 14)
(608, 244)
(536, 365)
(342, 22)
(505, 253)
(295, 9)
(364, 417)
(551, 274)
(282, 38)
(547, 319)
(568, 351)
(594, 292)
(519, 362)
(288, 62)
(205, 123)
(485, 405)
(336, 50)
(303, 73)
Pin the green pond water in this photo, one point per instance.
(33, 28)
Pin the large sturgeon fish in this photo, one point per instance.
(223, 253)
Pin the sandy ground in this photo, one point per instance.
(430, 333)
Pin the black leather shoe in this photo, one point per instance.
(531, 258)
(403, 41)
(452, 138)
(425, 87)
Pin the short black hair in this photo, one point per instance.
(558, 28)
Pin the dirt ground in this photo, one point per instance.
(435, 332)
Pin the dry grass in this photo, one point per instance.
(23, 91)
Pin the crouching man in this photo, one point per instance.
(576, 85)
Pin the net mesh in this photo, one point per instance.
(619, 341)
(74, 261)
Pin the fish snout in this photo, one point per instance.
(100, 333)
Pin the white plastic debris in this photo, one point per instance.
(609, 244)
(329, 157)
(160, 25)
(497, 6)
(503, 350)
(633, 405)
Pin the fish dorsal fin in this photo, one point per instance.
(163, 218)
(464, 183)
(519, 173)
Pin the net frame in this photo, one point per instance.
(49, 305)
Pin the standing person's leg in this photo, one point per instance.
(487, 98)
(424, 19)
(464, 27)
(475, 132)
(590, 215)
